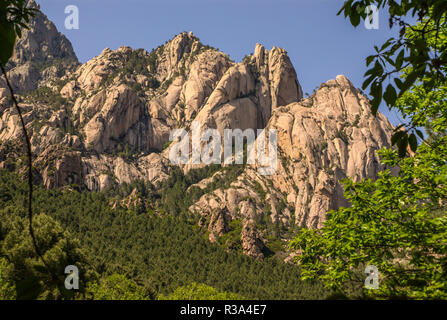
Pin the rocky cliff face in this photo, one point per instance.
(321, 140)
(108, 121)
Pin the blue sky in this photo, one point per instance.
(320, 44)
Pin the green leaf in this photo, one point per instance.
(7, 39)
(367, 82)
(413, 142)
(345, 8)
(378, 69)
(376, 92)
(376, 89)
(398, 83)
(402, 145)
(375, 103)
(388, 59)
(386, 44)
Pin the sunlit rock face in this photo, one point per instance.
(109, 120)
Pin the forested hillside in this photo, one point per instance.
(159, 251)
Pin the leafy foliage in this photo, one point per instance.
(397, 223)
(116, 287)
(14, 15)
(47, 96)
(7, 286)
(426, 106)
(137, 63)
(420, 53)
